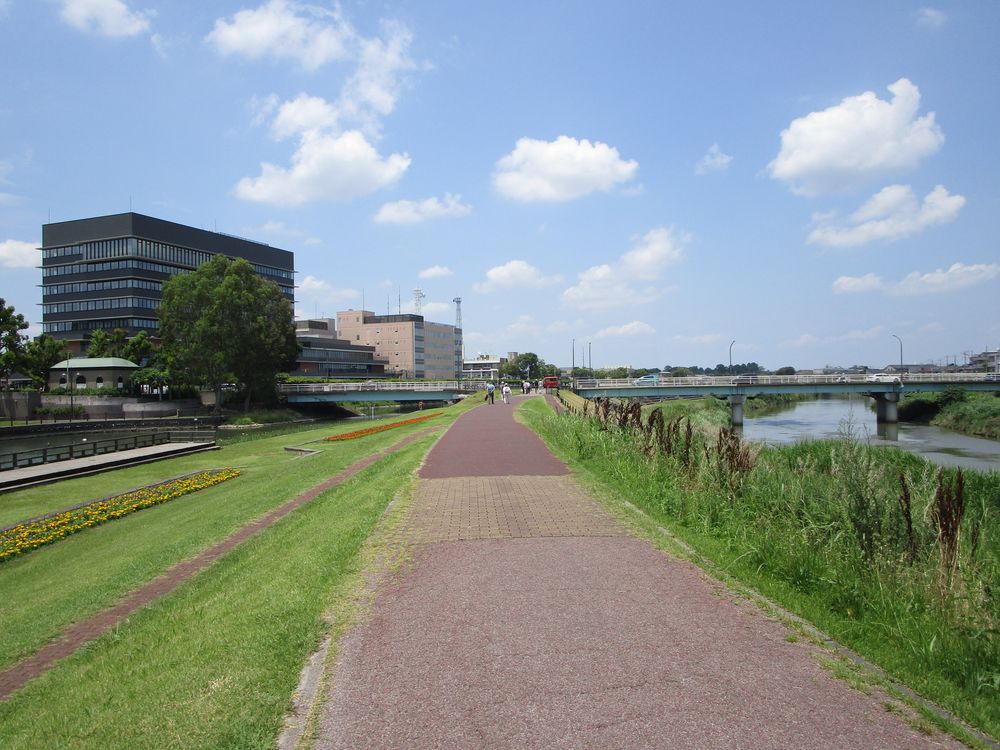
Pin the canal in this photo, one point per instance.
(828, 418)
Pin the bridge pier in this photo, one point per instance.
(736, 406)
(885, 408)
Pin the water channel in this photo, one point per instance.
(826, 418)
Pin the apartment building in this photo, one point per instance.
(411, 346)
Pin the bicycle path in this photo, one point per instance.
(530, 618)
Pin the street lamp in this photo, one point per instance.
(731, 356)
(900, 350)
(72, 387)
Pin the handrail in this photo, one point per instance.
(39, 456)
(384, 386)
(730, 380)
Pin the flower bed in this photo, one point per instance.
(33, 534)
(378, 428)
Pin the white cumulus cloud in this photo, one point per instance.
(325, 167)
(956, 276)
(514, 273)
(891, 214)
(414, 212)
(18, 254)
(105, 17)
(857, 284)
(284, 29)
(303, 114)
(635, 328)
(315, 289)
(627, 281)
(860, 138)
(435, 272)
(713, 161)
(334, 158)
(560, 170)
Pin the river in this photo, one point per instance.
(834, 417)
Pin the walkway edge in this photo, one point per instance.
(90, 629)
(884, 680)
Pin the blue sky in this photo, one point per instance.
(654, 179)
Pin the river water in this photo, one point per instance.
(836, 417)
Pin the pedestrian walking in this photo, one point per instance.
(506, 393)
(489, 392)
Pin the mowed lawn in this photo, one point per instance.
(214, 664)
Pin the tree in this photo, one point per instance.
(11, 339)
(785, 371)
(222, 323)
(41, 355)
(99, 344)
(138, 348)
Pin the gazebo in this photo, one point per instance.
(92, 372)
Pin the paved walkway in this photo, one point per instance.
(530, 618)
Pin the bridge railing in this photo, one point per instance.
(737, 380)
(393, 386)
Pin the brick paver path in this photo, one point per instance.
(530, 619)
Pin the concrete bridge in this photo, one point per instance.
(885, 389)
(379, 391)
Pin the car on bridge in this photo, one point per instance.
(652, 379)
(878, 378)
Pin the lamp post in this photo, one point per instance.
(900, 350)
(70, 386)
(731, 356)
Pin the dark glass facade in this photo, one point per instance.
(107, 272)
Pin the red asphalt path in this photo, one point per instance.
(577, 642)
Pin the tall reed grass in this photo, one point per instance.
(892, 556)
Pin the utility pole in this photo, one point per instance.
(572, 367)
(590, 355)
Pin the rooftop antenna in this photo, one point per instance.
(418, 300)
(399, 301)
(458, 312)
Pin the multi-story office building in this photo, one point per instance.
(324, 354)
(412, 347)
(107, 272)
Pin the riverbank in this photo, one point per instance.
(890, 556)
(975, 414)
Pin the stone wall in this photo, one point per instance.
(19, 405)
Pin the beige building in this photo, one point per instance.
(411, 346)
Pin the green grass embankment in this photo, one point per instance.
(214, 663)
(975, 414)
(847, 536)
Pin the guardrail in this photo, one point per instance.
(38, 456)
(715, 380)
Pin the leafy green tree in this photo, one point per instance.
(11, 339)
(40, 355)
(99, 344)
(223, 323)
(138, 348)
(785, 371)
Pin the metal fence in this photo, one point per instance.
(38, 456)
(669, 382)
